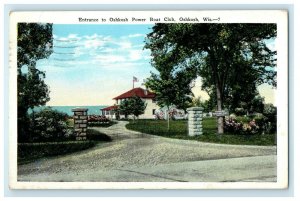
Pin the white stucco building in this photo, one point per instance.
(147, 96)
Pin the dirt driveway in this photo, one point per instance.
(133, 156)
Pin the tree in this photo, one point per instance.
(125, 108)
(207, 105)
(172, 88)
(256, 105)
(134, 105)
(224, 54)
(34, 42)
(138, 106)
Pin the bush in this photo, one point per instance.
(30, 151)
(260, 124)
(49, 125)
(240, 111)
(232, 126)
(251, 127)
(235, 126)
(97, 120)
(270, 113)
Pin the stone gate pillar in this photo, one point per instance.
(80, 123)
(195, 121)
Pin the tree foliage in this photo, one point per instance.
(34, 42)
(172, 89)
(207, 105)
(232, 59)
(125, 108)
(134, 105)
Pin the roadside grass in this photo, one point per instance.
(179, 130)
(29, 152)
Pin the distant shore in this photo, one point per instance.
(92, 110)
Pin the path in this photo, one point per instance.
(133, 156)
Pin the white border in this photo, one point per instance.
(262, 16)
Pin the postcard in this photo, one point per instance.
(148, 99)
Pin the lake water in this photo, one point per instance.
(92, 110)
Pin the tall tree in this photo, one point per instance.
(223, 52)
(34, 42)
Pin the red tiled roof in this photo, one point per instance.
(110, 108)
(142, 93)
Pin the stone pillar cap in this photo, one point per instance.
(195, 109)
(79, 109)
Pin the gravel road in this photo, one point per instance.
(132, 150)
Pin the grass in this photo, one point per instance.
(178, 130)
(28, 152)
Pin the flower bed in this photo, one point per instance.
(97, 120)
(232, 125)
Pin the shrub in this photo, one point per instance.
(235, 126)
(159, 114)
(49, 125)
(251, 127)
(270, 113)
(231, 125)
(97, 120)
(240, 111)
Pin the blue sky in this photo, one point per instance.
(91, 64)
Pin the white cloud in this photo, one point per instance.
(118, 67)
(124, 45)
(95, 43)
(135, 55)
(73, 36)
(107, 59)
(136, 35)
(107, 50)
(99, 51)
(94, 36)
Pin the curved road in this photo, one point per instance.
(134, 156)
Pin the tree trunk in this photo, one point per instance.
(168, 116)
(219, 108)
(219, 87)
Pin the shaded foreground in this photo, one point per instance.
(133, 156)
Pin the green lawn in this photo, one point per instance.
(178, 129)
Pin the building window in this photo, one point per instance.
(153, 111)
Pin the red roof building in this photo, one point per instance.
(142, 93)
(110, 108)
